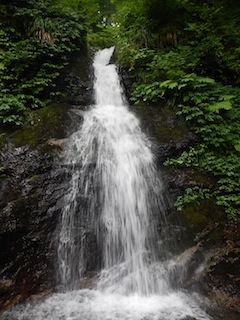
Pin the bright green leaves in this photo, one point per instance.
(222, 105)
(237, 146)
(184, 85)
(13, 107)
(212, 112)
(171, 84)
(148, 93)
(191, 195)
(180, 84)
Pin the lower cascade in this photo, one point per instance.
(116, 192)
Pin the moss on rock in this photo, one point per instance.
(161, 122)
(197, 217)
(45, 123)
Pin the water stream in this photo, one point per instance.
(116, 194)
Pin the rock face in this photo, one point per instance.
(76, 80)
(31, 202)
(32, 188)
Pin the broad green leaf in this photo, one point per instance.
(237, 147)
(205, 80)
(148, 91)
(197, 99)
(180, 86)
(226, 97)
(165, 83)
(173, 85)
(226, 105)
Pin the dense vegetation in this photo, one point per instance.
(185, 53)
(36, 38)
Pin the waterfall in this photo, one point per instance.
(114, 201)
(112, 162)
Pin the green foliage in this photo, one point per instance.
(151, 93)
(191, 61)
(192, 195)
(210, 108)
(225, 168)
(20, 104)
(194, 37)
(105, 36)
(36, 39)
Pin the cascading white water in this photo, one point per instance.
(115, 190)
(128, 188)
(112, 162)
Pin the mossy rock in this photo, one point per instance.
(191, 176)
(46, 123)
(204, 217)
(161, 122)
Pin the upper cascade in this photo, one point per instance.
(114, 169)
(103, 57)
(107, 87)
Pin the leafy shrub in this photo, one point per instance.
(36, 38)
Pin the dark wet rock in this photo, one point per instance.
(218, 276)
(113, 59)
(89, 281)
(179, 179)
(182, 267)
(126, 82)
(221, 279)
(59, 143)
(31, 202)
(170, 135)
(32, 188)
(76, 79)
